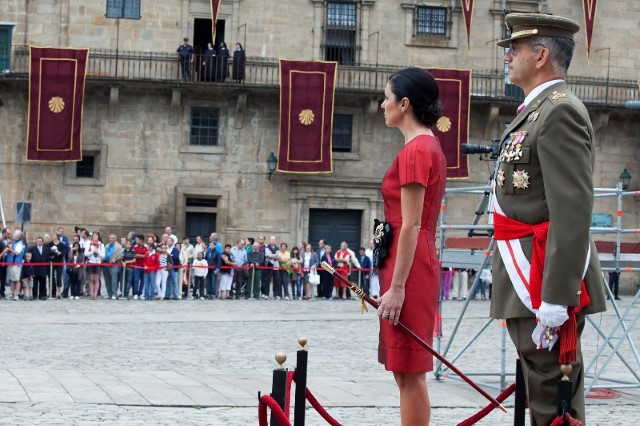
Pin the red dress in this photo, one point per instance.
(420, 161)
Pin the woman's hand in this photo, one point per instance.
(391, 304)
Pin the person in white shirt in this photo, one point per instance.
(200, 269)
(169, 231)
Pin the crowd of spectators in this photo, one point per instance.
(162, 267)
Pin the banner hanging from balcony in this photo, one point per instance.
(306, 116)
(467, 12)
(56, 95)
(215, 4)
(589, 19)
(453, 127)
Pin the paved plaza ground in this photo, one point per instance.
(81, 362)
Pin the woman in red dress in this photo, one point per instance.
(412, 190)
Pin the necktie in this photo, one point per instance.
(521, 107)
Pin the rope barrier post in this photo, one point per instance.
(189, 278)
(565, 391)
(520, 398)
(124, 280)
(279, 385)
(253, 278)
(50, 286)
(301, 383)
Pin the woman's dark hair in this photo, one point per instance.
(419, 86)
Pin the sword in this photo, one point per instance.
(364, 298)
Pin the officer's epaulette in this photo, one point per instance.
(556, 97)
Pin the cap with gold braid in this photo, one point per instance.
(529, 24)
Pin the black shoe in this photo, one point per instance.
(617, 298)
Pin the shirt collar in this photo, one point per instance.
(535, 92)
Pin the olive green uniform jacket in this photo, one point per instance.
(553, 176)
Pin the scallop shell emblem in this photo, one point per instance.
(444, 124)
(56, 104)
(306, 117)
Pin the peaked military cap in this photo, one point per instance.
(529, 24)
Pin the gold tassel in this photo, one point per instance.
(363, 306)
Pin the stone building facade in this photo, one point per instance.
(137, 123)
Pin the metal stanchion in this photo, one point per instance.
(189, 280)
(50, 285)
(301, 383)
(279, 385)
(253, 278)
(124, 280)
(520, 403)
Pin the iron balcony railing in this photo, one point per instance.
(263, 72)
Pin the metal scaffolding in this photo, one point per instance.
(479, 260)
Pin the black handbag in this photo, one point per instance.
(382, 236)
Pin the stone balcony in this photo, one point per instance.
(487, 86)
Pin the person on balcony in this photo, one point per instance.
(185, 56)
(222, 63)
(238, 64)
(209, 63)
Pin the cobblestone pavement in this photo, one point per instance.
(80, 362)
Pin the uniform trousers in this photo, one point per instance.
(541, 371)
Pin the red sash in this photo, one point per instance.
(510, 229)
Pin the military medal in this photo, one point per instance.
(520, 179)
(500, 178)
(532, 117)
(513, 147)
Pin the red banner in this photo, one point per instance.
(453, 127)
(467, 12)
(56, 94)
(306, 116)
(215, 4)
(589, 19)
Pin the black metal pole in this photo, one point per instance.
(279, 386)
(301, 384)
(520, 398)
(565, 391)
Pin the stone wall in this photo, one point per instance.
(293, 29)
(144, 159)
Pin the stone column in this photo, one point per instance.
(318, 21)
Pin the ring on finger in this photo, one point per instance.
(385, 314)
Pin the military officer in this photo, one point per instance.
(546, 272)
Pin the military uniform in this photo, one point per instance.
(544, 174)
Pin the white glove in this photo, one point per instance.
(550, 315)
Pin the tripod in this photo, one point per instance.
(484, 202)
(456, 259)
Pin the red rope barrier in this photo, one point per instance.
(287, 402)
(268, 401)
(320, 409)
(132, 266)
(283, 415)
(489, 408)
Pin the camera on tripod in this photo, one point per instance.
(493, 149)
